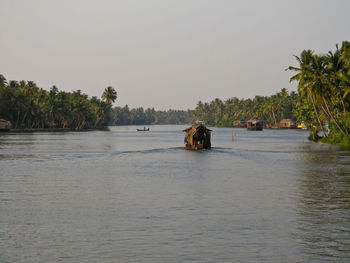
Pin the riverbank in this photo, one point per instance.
(56, 130)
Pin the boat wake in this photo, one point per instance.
(147, 151)
(41, 156)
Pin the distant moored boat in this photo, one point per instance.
(255, 125)
(287, 124)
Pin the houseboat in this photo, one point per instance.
(255, 125)
(287, 124)
(197, 137)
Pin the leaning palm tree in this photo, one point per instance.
(269, 110)
(316, 81)
(335, 72)
(345, 84)
(309, 74)
(333, 89)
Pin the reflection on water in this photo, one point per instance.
(124, 196)
(324, 205)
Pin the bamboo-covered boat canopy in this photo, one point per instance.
(197, 137)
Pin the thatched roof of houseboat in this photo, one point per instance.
(196, 127)
(254, 121)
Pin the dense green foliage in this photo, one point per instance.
(324, 85)
(27, 106)
(215, 113)
(139, 116)
(269, 109)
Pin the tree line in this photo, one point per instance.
(270, 109)
(324, 85)
(139, 116)
(27, 106)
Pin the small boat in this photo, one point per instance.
(144, 129)
(302, 126)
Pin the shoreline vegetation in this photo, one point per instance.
(29, 130)
(28, 107)
(324, 87)
(321, 104)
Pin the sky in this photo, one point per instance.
(165, 54)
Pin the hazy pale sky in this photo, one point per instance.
(165, 54)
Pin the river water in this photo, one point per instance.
(127, 196)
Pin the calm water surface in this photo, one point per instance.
(127, 196)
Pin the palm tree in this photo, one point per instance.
(29, 90)
(309, 76)
(335, 72)
(3, 81)
(345, 76)
(345, 54)
(109, 95)
(317, 78)
(269, 109)
(329, 83)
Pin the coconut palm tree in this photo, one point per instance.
(345, 76)
(309, 77)
(329, 87)
(318, 80)
(3, 81)
(335, 72)
(109, 95)
(29, 89)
